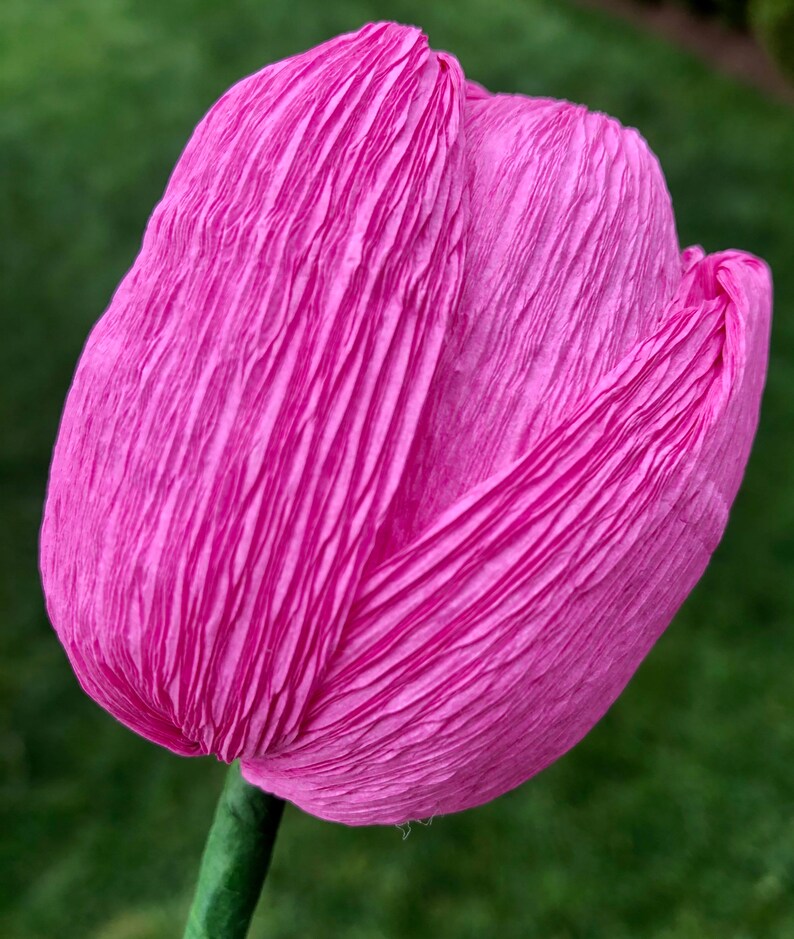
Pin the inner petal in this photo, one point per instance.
(571, 256)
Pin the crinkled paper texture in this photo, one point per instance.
(403, 439)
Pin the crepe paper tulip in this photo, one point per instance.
(403, 439)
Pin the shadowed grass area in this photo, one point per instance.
(673, 819)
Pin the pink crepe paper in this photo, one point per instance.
(403, 439)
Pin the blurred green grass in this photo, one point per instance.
(673, 819)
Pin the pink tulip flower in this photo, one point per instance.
(403, 439)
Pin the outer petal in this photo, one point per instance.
(491, 645)
(572, 255)
(241, 414)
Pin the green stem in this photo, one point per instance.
(235, 861)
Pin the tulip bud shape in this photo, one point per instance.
(403, 439)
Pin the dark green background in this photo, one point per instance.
(674, 819)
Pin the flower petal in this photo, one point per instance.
(492, 644)
(571, 257)
(242, 412)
